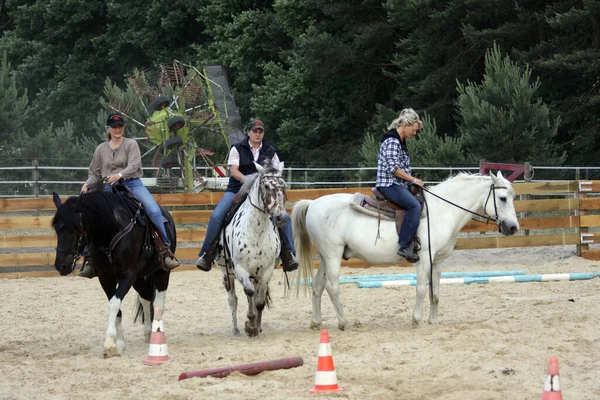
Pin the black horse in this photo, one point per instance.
(122, 252)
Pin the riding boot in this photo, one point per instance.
(288, 259)
(206, 260)
(409, 253)
(87, 271)
(170, 261)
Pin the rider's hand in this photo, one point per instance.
(84, 188)
(112, 179)
(418, 182)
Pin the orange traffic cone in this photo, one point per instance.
(325, 377)
(158, 353)
(552, 383)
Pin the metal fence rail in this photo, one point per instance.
(39, 180)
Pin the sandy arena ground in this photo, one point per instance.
(493, 341)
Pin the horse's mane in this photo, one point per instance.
(107, 210)
(468, 177)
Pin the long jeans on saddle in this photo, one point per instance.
(150, 206)
(217, 218)
(400, 195)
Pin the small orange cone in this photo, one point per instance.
(325, 377)
(552, 383)
(158, 353)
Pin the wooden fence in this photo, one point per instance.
(551, 213)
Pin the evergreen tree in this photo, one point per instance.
(502, 119)
(14, 104)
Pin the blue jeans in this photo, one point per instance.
(400, 195)
(150, 205)
(217, 218)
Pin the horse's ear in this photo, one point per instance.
(495, 180)
(500, 174)
(281, 166)
(259, 167)
(56, 199)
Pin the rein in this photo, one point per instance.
(486, 217)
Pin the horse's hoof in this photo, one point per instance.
(342, 327)
(315, 325)
(251, 331)
(110, 353)
(236, 332)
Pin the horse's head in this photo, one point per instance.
(69, 232)
(500, 205)
(271, 190)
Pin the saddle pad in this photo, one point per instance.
(359, 202)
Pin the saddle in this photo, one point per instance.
(152, 236)
(380, 207)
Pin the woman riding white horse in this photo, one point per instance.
(337, 231)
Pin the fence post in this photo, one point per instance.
(35, 176)
(581, 248)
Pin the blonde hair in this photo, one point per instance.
(408, 116)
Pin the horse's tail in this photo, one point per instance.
(303, 245)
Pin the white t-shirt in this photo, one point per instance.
(234, 156)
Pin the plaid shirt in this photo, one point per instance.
(392, 155)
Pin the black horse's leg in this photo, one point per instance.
(145, 289)
(114, 343)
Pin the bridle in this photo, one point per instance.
(80, 245)
(261, 191)
(491, 193)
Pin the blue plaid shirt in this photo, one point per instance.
(392, 155)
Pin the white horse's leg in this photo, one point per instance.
(260, 300)
(251, 327)
(422, 274)
(244, 277)
(433, 308)
(110, 346)
(332, 285)
(318, 285)
(232, 299)
(147, 317)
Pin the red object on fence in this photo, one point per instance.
(246, 369)
(517, 169)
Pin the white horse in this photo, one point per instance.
(252, 245)
(337, 231)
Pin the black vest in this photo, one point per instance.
(247, 166)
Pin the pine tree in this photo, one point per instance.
(502, 119)
(14, 104)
